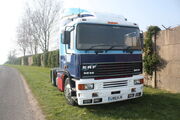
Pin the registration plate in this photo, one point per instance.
(114, 98)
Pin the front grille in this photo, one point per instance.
(111, 69)
(115, 84)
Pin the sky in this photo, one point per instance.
(143, 12)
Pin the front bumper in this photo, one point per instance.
(100, 95)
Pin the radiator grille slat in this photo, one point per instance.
(115, 84)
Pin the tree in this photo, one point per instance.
(22, 36)
(150, 56)
(44, 18)
(33, 39)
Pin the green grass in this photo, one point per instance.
(154, 105)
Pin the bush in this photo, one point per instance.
(16, 61)
(37, 60)
(56, 57)
(34, 60)
(45, 59)
(25, 59)
(53, 59)
(49, 59)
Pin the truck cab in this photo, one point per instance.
(100, 59)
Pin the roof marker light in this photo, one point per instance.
(112, 22)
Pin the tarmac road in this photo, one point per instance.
(14, 103)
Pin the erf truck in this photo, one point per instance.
(100, 59)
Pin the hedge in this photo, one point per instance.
(37, 60)
(45, 59)
(48, 59)
(25, 59)
(53, 59)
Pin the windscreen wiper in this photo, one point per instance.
(97, 51)
(112, 46)
(127, 48)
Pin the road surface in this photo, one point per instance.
(14, 104)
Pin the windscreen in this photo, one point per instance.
(99, 36)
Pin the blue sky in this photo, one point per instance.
(143, 12)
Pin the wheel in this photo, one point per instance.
(53, 77)
(67, 92)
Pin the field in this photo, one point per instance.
(154, 105)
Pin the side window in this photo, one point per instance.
(71, 45)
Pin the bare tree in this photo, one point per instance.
(33, 38)
(22, 36)
(38, 26)
(44, 19)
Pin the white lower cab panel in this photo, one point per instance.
(109, 90)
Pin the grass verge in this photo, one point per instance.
(154, 105)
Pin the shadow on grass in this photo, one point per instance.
(150, 106)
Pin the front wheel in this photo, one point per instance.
(67, 92)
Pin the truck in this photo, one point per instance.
(100, 59)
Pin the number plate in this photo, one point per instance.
(114, 98)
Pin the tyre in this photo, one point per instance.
(67, 92)
(53, 77)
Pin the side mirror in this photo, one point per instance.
(66, 37)
(142, 40)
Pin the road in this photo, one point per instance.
(14, 104)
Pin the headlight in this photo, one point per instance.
(86, 86)
(139, 81)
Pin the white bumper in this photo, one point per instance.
(108, 94)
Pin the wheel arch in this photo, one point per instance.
(67, 75)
